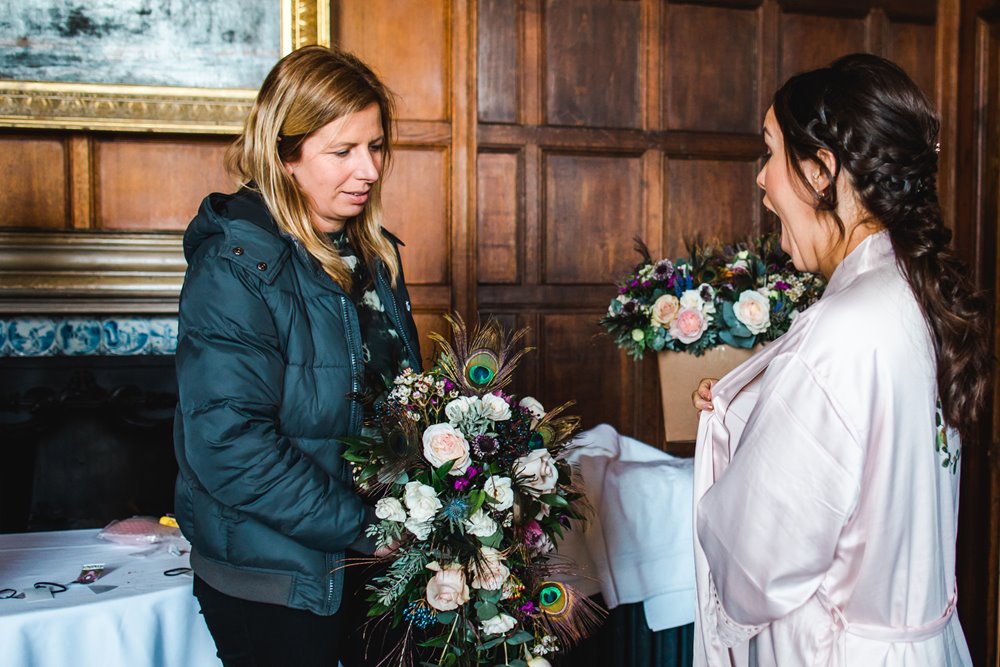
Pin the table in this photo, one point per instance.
(148, 619)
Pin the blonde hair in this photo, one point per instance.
(304, 91)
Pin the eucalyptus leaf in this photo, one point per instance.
(446, 617)
(520, 638)
(486, 610)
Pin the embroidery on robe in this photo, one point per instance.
(949, 459)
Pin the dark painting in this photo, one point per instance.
(196, 43)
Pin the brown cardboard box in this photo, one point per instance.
(680, 373)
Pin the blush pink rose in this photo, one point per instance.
(754, 310)
(665, 310)
(489, 571)
(447, 590)
(444, 442)
(689, 325)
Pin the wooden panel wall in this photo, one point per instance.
(601, 120)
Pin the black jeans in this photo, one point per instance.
(257, 634)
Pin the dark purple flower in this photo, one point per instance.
(484, 446)
(527, 608)
(782, 285)
(461, 484)
(629, 307)
(663, 269)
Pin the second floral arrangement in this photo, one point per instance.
(719, 295)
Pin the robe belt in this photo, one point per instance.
(885, 633)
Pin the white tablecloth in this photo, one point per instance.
(638, 546)
(148, 620)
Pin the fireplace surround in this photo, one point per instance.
(88, 329)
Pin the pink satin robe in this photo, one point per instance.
(824, 521)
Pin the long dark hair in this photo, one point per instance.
(883, 131)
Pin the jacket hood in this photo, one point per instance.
(224, 215)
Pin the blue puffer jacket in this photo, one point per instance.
(269, 349)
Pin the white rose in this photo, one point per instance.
(495, 408)
(540, 470)
(754, 310)
(461, 407)
(489, 571)
(391, 509)
(692, 299)
(533, 406)
(421, 501)
(421, 529)
(444, 442)
(480, 524)
(447, 590)
(539, 661)
(500, 493)
(498, 625)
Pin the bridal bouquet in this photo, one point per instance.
(719, 295)
(475, 490)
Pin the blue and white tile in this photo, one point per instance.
(125, 336)
(32, 337)
(163, 335)
(79, 336)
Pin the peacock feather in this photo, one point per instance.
(569, 614)
(481, 362)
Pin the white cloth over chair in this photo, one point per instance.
(638, 545)
(148, 619)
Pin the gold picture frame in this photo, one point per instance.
(92, 272)
(141, 108)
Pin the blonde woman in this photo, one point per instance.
(293, 306)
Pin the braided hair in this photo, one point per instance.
(882, 131)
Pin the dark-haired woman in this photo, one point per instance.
(826, 479)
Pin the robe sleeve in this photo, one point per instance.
(770, 524)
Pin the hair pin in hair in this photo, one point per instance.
(937, 147)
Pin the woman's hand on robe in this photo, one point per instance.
(702, 396)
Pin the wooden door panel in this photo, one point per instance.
(407, 44)
(809, 41)
(907, 45)
(582, 365)
(429, 322)
(709, 199)
(591, 61)
(156, 184)
(593, 209)
(33, 174)
(710, 70)
(415, 200)
(497, 61)
(498, 218)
